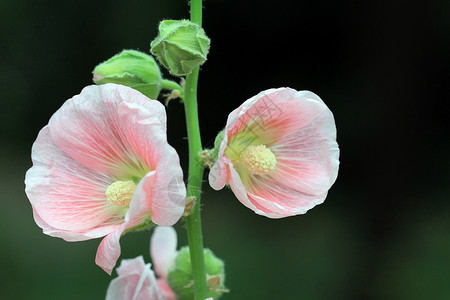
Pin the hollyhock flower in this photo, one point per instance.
(102, 166)
(278, 153)
(136, 281)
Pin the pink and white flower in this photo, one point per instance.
(136, 281)
(102, 166)
(278, 153)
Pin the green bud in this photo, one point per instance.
(131, 68)
(180, 46)
(181, 280)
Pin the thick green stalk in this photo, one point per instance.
(194, 187)
(196, 11)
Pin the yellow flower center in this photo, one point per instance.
(120, 192)
(258, 159)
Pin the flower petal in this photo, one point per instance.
(89, 130)
(167, 190)
(239, 190)
(66, 195)
(163, 249)
(274, 113)
(71, 236)
(217, 176)
(308, 158)
(108, 251)
(276, 200)
(136, 281)
(164, 194)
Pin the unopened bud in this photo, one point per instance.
(181, 280)
(180, 46)
(131, 68)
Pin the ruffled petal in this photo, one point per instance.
(163, 249)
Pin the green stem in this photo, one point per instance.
(194, 187)
(196, 11)
(171, 85)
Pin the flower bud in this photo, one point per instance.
(181, 280)
(180, 46)
(131, 68)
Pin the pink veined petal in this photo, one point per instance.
(163, 246)
(308, 159)
(71, 236)
(277, 201)
(94, 136)
(143, 133)
(66, 195)
(136, 281)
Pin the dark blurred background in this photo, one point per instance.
(382, 68)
